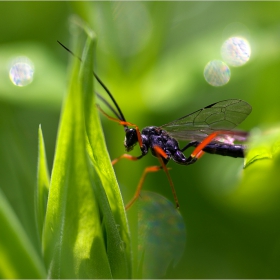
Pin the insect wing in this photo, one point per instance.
(223, 115)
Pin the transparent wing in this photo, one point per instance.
(222, 115)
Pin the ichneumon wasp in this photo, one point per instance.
(208, 130)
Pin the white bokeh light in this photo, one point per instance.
(216, 73)
(21, 71)
(236, 51)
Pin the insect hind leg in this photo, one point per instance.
(198, 151)
(140, 184)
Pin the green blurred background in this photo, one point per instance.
(151, 55)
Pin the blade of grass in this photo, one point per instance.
(118, 247)
(80, 237)
(18, 258)
(43, 182)
(73, 230)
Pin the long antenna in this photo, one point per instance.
(119, 115)
(108, 105)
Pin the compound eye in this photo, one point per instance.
(130, 139)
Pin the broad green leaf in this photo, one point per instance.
(82, 238)
(116, 226)
(43, 181)
(258, 191)
(264, 144)
(18, 258)
(73, 231)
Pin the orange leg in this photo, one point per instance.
(198, 151)
(140, 184)
(127, 156)
(200, 154)
(159, 153)
(209, 138)
(203, 143)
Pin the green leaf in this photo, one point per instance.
(18, 257)
(83, 237)
(115, 221)
(264, 144)
(260, 179)
(43, 181)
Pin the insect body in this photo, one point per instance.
(217, 118)
(156, 137)
(208, 130)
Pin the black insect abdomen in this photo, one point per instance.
(236, 151)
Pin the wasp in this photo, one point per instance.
(209, 130)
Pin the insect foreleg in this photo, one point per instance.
(126, 156)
